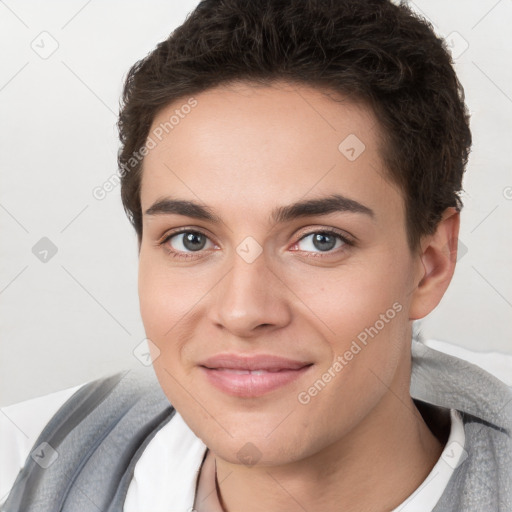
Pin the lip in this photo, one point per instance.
(266, 362)
(231, 373)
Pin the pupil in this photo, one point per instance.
(324, 241)
(194, 241)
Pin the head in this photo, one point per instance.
(313, 153)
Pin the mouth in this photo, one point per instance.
(243, 376)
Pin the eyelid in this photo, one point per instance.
(183, 255)
(187, 229)
(346, 238)
(310, 230)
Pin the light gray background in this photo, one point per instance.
(75, 317)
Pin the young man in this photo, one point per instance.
(292, 171)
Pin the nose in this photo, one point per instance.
(250, 299)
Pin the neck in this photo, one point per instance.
(374, 468)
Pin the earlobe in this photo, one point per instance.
(438, 256)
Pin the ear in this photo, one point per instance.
(436, 263)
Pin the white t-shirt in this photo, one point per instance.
(175, 453)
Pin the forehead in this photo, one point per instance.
(261, 144)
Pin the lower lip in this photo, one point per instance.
(251, 385)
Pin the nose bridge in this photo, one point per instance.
(250, 295)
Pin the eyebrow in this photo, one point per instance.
(312, 207)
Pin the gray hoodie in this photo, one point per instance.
(102, 430)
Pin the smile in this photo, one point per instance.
(251, 383)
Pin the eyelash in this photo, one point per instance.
(188, 255)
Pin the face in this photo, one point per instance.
(242, 273)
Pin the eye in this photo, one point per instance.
(183, 244)
(186, 242)
(321, 241)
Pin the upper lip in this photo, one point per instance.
(266, 362)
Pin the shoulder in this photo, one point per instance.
(460, 382)
(132, 395)
(498, 364)
(20, 425)
(478, 385)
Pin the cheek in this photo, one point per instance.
(361, 312)
(349, 299)
(171, 307)
(163, 308)
(152, 298)
(362, 317)
(165, 298)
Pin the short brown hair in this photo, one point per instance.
(370, 50)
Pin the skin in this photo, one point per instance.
(242, 151)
